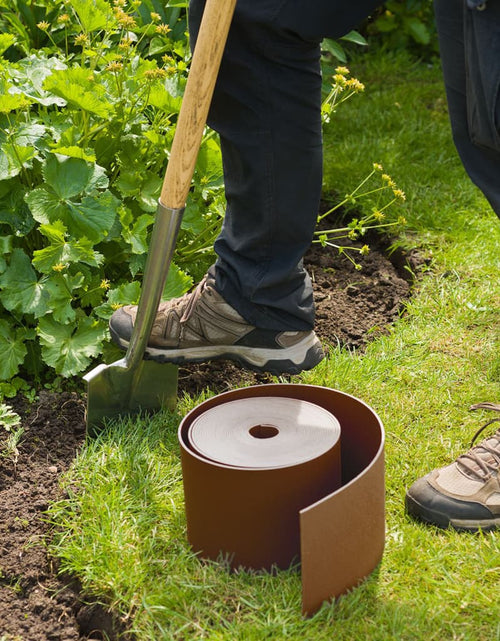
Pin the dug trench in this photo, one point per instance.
(36, 603)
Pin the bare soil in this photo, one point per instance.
(36, 603)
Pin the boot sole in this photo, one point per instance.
(442, 520)
(292, 360)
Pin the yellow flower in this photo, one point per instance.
(81, 40)
(114, 66)
(43, 26)
(378, 215)
(163, 29)
(377, 166)
(60, 267)
(123, 19)
(126, 43)
(389, 181)
(399, 193)
(115, 306)
(355, 85)
(64, 18)
(364, 250)
(127, 22)
(343, 71)
(104, 284)
(155, 17)
(155, 74)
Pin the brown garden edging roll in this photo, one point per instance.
(264, 517)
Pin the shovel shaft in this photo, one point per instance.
(187, 139)
(200, 85)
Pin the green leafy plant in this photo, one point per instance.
(336, 47)
(378, 185)
(406, 25)
(9, 420)
(89, 98)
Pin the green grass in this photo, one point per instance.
(122, 531)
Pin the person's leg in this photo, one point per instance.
(469, 41)
(465, 495)
(256, 305)
(266, 108)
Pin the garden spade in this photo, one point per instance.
(133, 384)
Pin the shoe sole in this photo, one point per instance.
(442, 520)
(291, 360)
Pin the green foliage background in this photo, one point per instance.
(405, 24)
(89, 96)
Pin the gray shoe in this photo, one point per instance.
(201, 326)
(466, 494)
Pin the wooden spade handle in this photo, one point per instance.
(196, 102)
(187, 139)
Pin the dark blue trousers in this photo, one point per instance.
(266, 108)
(469, 38)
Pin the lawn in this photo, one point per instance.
(122, 529)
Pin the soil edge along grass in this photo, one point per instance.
(122, 529)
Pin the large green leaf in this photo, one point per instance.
(30, 73)
(68, 176)
(91, 217)
(62, 251)
(60, 288)
(137, 235)
(417, 29)
(335, 48)
(126, 294)
(73, 151)
(160, 98)
(94, 14)
(94, 216)
(178, 283)
(6, 40)
(13, 209)
(356, 37)
(69, 348)
(24, 135)
(209, 162)
(12, 348)
(80, 91)
(13, 158)
(21, 290)
(150, 192)
(46, 206)
(10, 102)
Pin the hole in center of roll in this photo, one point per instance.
(264, 431)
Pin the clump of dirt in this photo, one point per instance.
(353, 306)
(36, 604)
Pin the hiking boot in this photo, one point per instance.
(201, 326)
(466, 494)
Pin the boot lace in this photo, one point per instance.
(483, 460)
